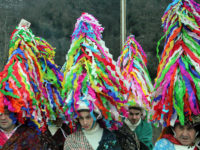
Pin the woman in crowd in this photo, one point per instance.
(91, 133)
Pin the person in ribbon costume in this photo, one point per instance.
(176, 96)
(136, 132)
(93, 89)
(30, 85)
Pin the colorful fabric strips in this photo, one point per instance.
(30, 83)
(90, 74)
(132, 63)
(177, 92)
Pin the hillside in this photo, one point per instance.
(54, 20)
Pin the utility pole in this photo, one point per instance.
(122, 23)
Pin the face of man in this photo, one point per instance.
(86, 120)
(6, 122)
(134, 115)
(185, 134)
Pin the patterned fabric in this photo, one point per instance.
(127, 138)
(78, 141)
(55, 142)
(165, 144)
(5, 136)
(24, 138)
(3, 139)
(108, 141)
(171, 138)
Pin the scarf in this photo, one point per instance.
(173, 140)
(130, 125)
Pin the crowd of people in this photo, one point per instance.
(95, 103)
(134, 134)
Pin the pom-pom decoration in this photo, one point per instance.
(177, 92)
(90, 74)
(132, 63)
(30, 83)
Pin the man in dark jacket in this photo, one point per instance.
(55, 135)
(136, 133)
(17, 136)
(128, 139)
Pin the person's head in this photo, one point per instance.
(185, 134)
(86, 120)
(6, 123)
(134, 114)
